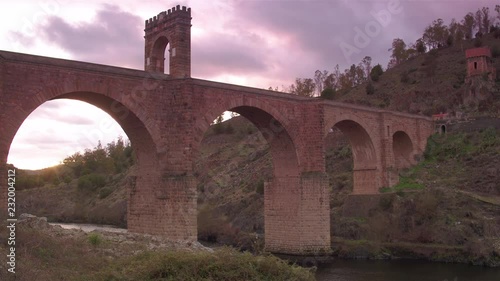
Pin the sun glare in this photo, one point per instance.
(58, 129)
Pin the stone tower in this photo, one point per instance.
(481, 75)
(172, 28)
(479, 63)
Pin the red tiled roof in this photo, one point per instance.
(478, 52)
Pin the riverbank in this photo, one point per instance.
(48, 252)
(370, 250)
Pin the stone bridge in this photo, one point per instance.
(166, 116)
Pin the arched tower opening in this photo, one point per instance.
(170, 29)
(160, 56)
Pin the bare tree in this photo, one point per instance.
(319, 79)
(468, 25)
(367, 66)
(486, 19)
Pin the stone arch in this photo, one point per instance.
(157, 58)
(366, 178)
(270, 123)
(402, 148)
(442, 129)
(282, 146)
(363, 150)
(286, 183)
(136, 129)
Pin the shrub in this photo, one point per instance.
(328, 94)
(495, 51)
(94, 239)
(370, 90)
(376, 72)
(91, 182)
(478, 42)
(105, 192)
(404, 77)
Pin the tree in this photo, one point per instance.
(319, 79)
(367, 66)
(303, 87)
(486, 19)
(468, 25)
(497, 9)
(482, 20)
(478, 21)
(359, 74)
(398, 49)
(345, 82)
(392, 63)
(420, 46)
(376, 72)
(330, 82)
(456, 31)
(436, 34)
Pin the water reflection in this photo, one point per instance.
(351, 270)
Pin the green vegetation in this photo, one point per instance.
(94, 239)
(223, 264)
(48, 254)
(90, 168)
(376, 72)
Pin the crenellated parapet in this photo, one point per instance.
(176, 12)
(168, 36)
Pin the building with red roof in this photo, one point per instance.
(479, 62)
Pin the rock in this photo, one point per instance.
(33, 221)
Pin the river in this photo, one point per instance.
(363, 270)
(404, 270)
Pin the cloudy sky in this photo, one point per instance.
(258, 43)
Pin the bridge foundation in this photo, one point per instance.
(297, 214)
(163, 204)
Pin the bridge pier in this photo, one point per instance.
(163, 204)
(297, 214)
(366, 180)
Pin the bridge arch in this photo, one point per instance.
(402, 148)
(135, 128)
(126, 112)
(365, 169)
(271, 124)
(286, 181)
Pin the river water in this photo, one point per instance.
(404, 270)
(363, 270)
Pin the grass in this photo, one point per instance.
(47, 255)
(223, 264)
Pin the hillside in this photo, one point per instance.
(431, 83)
